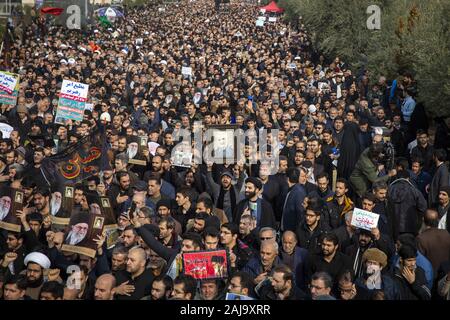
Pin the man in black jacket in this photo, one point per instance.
(408, 205)
(255, 206)
(281, 286)
(410, 278)
(330, 260)
(309, 231)
(240, 253)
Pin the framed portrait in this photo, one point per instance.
(212, 264)
(61, 205)
(18, 198)
(98, 222)
(68, 192)
(223, 143)
(105, 203)
(108, 213)
(83, 229)
(136, 149)
(8, 208)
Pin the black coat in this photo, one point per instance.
(267, 215)
(309, 240)
(418, 290)
(408, 206)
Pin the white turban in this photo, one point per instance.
(39, 258)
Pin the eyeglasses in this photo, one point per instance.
(265, 238)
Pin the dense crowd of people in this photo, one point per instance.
(345, 141)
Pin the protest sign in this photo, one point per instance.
(206, 264)
(8, 81)
(10, 98)
(364, 219)
(186, 71)
(272, 19)
(72, 101)
(262, 18)
(259, 23)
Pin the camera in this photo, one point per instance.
(388, 155)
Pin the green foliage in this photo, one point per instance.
(414, 36)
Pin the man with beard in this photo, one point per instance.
(12, 262)
(55, 203)
(253, 204)
(118, 260)
(225, 195)
(5, 206)
(121, 192)
(366, 240)
(34, 168)
(169, 176)
(330, 260)
(338, 205)
(79, 229)
(136, 283)
(167, 234)
(161, 288)
(121, 162)
(41, 201)
(281, 286)
(36, 262)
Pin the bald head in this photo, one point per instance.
(289, 241)
(104, 286)
(431, 218)
(136, 261)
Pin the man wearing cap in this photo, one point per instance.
(255, 205)
(374, 261)
(36, 262)
(226, 195)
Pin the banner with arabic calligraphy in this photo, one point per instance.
(77, 162)
(7, 96)
(72, 101)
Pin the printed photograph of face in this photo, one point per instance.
(55, 202)
(5, 207)
(69, 192)
(94, 208)
(77, 233)
(223, 143)
(132, 149)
